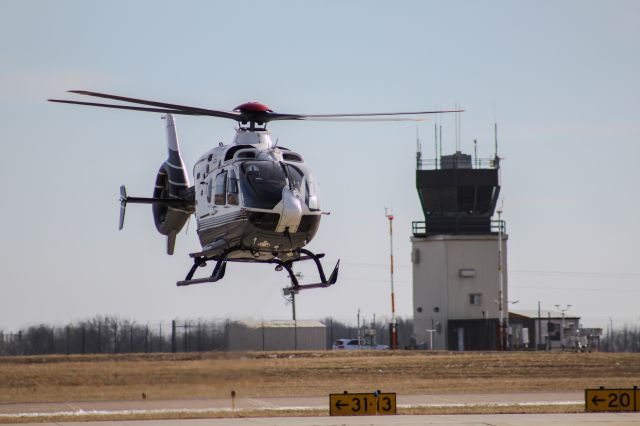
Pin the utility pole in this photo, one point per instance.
(394, 324)
(173, 336)
(358, 325)
(539, 334)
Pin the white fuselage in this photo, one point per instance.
(254, 181)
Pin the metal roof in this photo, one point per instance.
(281, 324)
(544, 313)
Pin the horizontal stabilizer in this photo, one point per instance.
(187, 205)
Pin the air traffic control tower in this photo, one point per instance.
(456, 254)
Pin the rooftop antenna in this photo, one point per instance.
(495, 129)
(475, 150)
(458, 122)
(435, 141)
(440, 140)
(418, 150)
(495, 137)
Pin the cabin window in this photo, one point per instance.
(311, 197)
(261, 183)
(209, 190)
(246, 154)
(295, 176)
(290, 156)
(220, 189)
(232, 189)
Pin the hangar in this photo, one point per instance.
(276, 335)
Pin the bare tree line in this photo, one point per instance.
(626, 339)
(114, 335)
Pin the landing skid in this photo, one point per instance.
(201, 259)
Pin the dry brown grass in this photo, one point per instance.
(209, 375)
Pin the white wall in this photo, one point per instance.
(437, 261)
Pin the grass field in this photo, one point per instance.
(202, 375)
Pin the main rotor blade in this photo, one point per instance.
(200, 111)
(163, 110)
(375, 114)
(362, 119)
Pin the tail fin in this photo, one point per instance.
(172, 181)
(178, 175)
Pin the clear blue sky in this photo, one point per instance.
(562, 75)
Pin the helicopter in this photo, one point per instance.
(253, 201)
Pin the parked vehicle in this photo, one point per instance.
(350, 344)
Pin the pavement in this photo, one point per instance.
(282, 403)
(35, 410)
(617, 419)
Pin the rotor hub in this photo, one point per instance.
(252, 107)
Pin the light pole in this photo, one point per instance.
(430, 338)
(394, 324)
(290, 294)
(562, 326)
(501, 326)
(508, 338)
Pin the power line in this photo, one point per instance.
(629, 275)
(608, 289)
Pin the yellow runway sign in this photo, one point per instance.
(362, 404)
(611, 400)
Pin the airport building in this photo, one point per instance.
(459, 256)
(276, 335)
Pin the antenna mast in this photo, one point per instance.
(495, 137)
(418, 151)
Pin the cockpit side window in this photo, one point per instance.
(220, 189)
(295, 176)
(311, 197)
(232, 188)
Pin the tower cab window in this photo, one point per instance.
(232, 189)
(220, 189)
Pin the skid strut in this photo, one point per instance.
(221, 265)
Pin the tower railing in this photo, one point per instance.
(476, 163)
(421, 228)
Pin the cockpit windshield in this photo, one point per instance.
(261, 183)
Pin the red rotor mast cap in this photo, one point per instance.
(253, 107)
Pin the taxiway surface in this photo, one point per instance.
(281, 403)
(617, 419)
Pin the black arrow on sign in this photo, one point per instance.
(595, 400)
(340, 404)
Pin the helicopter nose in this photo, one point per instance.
(291, 211)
